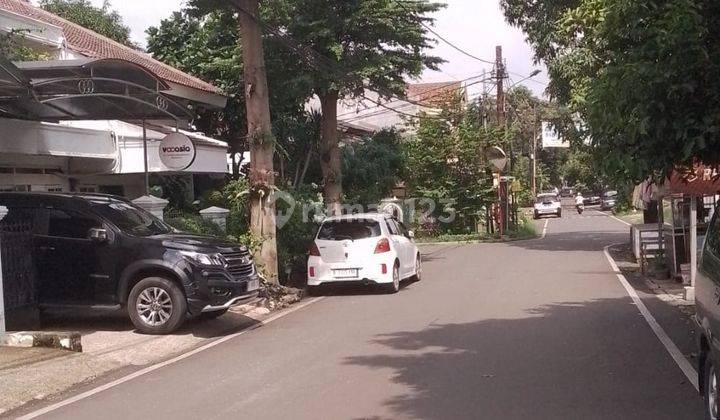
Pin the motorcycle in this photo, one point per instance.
(580, 208)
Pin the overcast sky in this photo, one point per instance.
(476, 26)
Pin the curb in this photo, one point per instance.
(54, 340)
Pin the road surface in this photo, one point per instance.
(537, 329)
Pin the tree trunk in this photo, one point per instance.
(330, 153)
(262, 145)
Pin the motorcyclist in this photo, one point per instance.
(579, 199)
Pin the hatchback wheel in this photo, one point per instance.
(157, 306)
(711, 390)
(418, 269)
(394, 287)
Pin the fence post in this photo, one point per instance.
(154, 205)
(217, 215)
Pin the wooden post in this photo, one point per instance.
(693, 240)
(262, 143)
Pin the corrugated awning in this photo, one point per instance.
(86, 89)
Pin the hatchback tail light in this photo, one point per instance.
(314, 251)
(383, 245)
(311, 271)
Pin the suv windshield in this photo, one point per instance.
(129, 218)
(349, 229)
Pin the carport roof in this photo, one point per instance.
(85, 89)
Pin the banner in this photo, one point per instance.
(551, 137)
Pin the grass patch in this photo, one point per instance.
(525, 230)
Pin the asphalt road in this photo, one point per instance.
(537, 329)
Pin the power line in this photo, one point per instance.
(442, 38)
(381, 112)
(399, 99)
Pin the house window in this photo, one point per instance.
(87, 188)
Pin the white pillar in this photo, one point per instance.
(217, 215)
(690, 291)
(3, 213)
(154, 205)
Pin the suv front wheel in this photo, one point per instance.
(157, 306)
(710, 390)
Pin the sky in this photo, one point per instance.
(475, 26)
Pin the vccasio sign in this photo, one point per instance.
(177, 151)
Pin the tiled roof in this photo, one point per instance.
(94, 45)
(433, 94)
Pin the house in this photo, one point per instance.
(375, 113)
(100, 147)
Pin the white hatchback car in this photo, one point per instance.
(371, 248)
(547, 204)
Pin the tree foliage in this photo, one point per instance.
(103, 20)
(373, 166)
(445, 165)
(205, 43)
(13, 48)
(642, 76)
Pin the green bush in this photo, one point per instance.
(192, 223)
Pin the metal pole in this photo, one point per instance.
(145, 159)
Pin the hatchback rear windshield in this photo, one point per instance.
(338, 230)
(546, 199)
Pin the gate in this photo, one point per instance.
(18, 271)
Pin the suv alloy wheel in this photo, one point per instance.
(157, 306)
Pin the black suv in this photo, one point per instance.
(103, 252)
(707, 299)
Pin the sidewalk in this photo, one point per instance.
(109, 344)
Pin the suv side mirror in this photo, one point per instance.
(411, 234)
(98, 235)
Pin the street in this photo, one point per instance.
(528, 329)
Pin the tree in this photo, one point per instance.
(13, 47)
(206, 44)
(352, 46)
(444, 165)
(102, 20)
(642, 77)
(373, 166)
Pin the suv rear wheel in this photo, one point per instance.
(157, 306)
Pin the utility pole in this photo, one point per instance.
(533, 167)
(502, 187)
(262, 143)
(500, 76)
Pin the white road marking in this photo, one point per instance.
(544, 231)
(619, 220)
(666, 341)
(149, 369)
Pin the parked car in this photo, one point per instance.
(102, 252)
(591, 199)
(566, 192)
(370, 249)
(548, 203)
(609, 199)
(707, 298)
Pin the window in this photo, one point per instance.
(337, 230)
(66, 224)
(712, 237)
(392, 227)
(401, 226)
